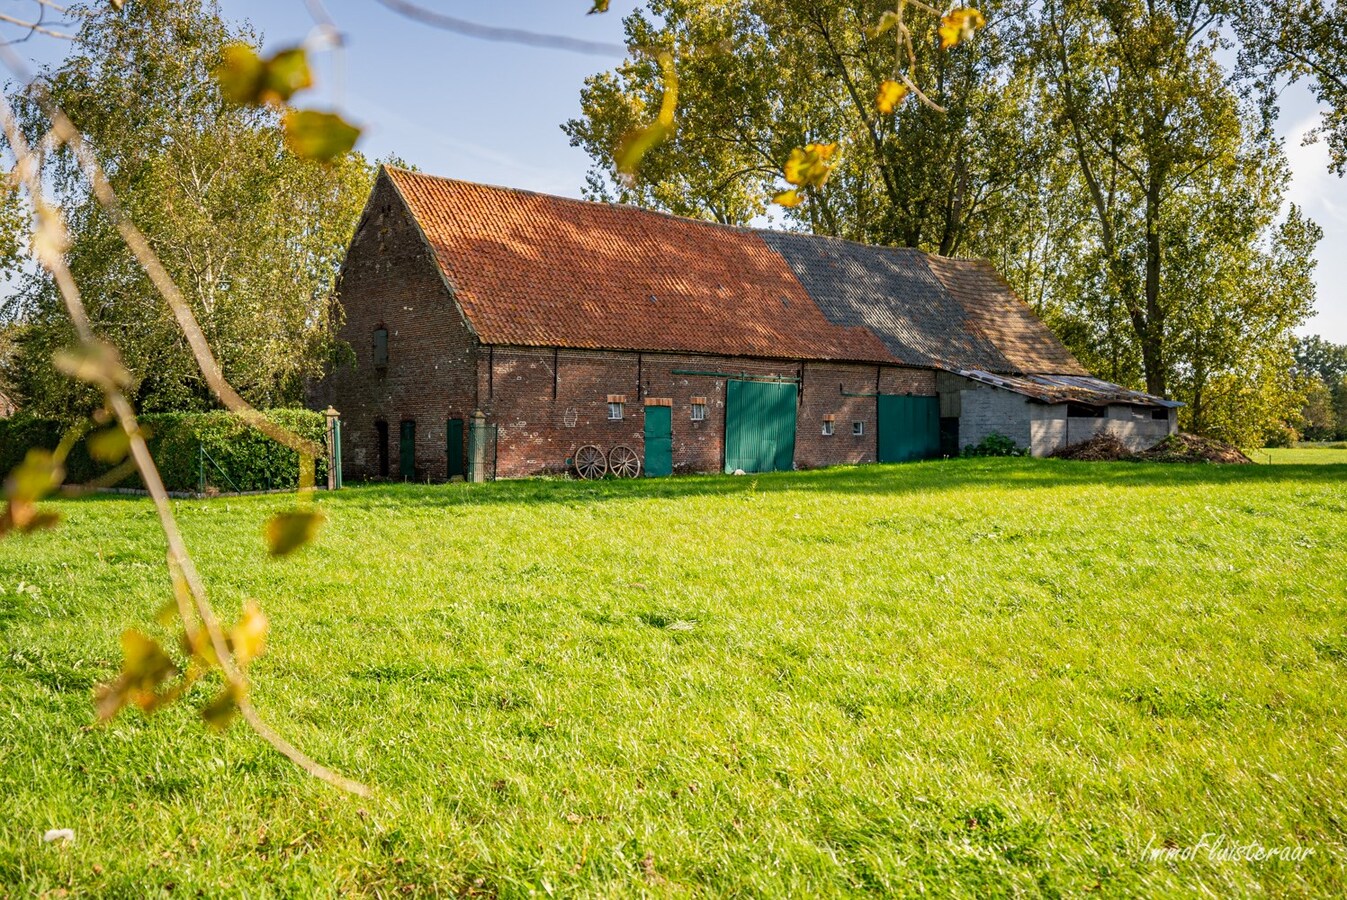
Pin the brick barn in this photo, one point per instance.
(499, 332)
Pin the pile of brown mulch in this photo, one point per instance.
(1189, 448)
(1101, 448)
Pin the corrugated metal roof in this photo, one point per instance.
(1069, 389)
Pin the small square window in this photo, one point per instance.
(827, 429)
(615, 411)
(857, 429)
(699, 412)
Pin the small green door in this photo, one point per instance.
(760, 426)
(658, 441)
(407, 452)
(454, 447)
(909, 428)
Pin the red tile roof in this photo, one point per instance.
(535, 270)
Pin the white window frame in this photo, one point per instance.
(616, 411)
(828, 430)
(858, 428)
(699, 412)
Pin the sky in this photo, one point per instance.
(491, 112)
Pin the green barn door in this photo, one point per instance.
(909, 428)
(407, 452)
(454, 447)
(760, 426)
(658, 441)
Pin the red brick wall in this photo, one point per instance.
(546, 404)
(538, 434)
(390, 279)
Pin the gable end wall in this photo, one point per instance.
(391, 279)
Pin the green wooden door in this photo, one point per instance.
(407, 452)
(454, 447)
(909, 428)
(760, 426)
(658, 441)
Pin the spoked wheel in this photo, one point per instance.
(623, 462)
(590, 462)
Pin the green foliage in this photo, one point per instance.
(761, 79)
(1100, 155)
(994, 445)
(251, 460)
(251, 233)
(1292, 40)
(923, 689)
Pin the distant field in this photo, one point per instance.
(976, 677)
(1304, 454)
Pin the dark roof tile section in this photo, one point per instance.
(998, 315)
(893, 293)
(534, 270)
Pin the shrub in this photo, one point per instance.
(251, 460)
(995, 445)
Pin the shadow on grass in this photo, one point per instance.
(874, 480)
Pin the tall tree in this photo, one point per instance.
(761, 77)
(252, 234)
(1294, 40)
(1146, 112)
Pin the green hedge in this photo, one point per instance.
(252, 461)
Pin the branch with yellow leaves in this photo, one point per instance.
(809, 168)
(148, 671)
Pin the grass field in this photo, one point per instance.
(1303, 455)
(976, 677)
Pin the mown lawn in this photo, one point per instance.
(978, 678)
(1305, 454)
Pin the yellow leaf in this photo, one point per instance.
(249, 637)
(38, 475)
(240, 74)
(97, 363)
(789, 199)
(891, 93)
(109, 446)
(145, 667)
(811, 165)
(246, 79)
(887, 22)
(600, 6)
(959, 25)
(318, 135)
(286, 73)
(50, 240)
(288, 531)
(221, 711)
(635, 144)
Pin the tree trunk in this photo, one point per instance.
(1153, 336)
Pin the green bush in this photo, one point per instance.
(250, 460)
(995, 445)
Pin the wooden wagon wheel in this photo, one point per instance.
(623, 462)
(590, 462)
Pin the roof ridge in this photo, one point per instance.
(752, 229)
